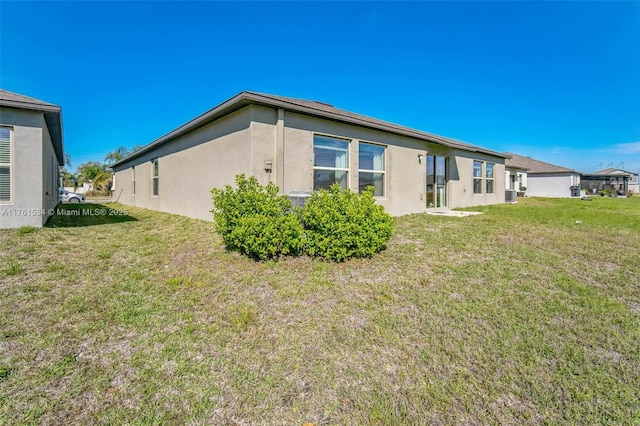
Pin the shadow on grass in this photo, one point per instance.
(87, 214)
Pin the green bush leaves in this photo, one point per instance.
(340, 225)
(334, 224)
(255, 220)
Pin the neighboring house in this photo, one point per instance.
(544, 179)
(31, 151)
(612, 180)
(302, 146)
(515, 180)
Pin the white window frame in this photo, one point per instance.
(339, 169)
(9, 166)
(480, 178)
(382, 172)
(155, 190)
(488, 179)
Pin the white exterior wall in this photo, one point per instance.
(551, 185)
(633, 184)
(32, 192)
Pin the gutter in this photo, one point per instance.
(247, 98)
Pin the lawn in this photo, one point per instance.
(527, 314)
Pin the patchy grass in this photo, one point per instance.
(518, 316)
(26, 230)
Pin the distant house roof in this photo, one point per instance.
(52, 115)
(302, 106)
(613, 172)
(534, 166)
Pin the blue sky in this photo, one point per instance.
(558, 81)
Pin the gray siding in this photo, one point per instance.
(33, 166)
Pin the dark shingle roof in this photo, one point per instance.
(52, 115)
(302, 106)
(535, 166)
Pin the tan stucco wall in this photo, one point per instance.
(241, 143)
(461, 180)
(405, 180)
(405, 177)
(31, 152)
(189, 167)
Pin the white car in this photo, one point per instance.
(70, 197)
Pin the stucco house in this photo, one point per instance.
(545, 179)
(31, 151)
(302, 146)
(616, 181)
(515, 182)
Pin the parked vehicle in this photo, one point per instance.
(70, 197)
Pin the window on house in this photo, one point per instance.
(330, 162)
(477, 177)
(5, 164)
(371, 168)
(154, 176)
(133, 180)
(488, 174)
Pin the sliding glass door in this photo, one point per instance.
(436, 181)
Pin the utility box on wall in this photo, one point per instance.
(298, 198)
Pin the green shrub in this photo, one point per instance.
(255, 220)
(340, 225)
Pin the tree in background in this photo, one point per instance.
(88, 171)
(67, 178)
(99, 174)
(117, 155)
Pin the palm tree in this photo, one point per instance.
(103, 181)
(116, 155)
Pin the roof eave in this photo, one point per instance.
(30, 105)
(551, 172)
(210, 116)
(389, 127)
(53, 118)
(246, 98)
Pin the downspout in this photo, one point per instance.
(280, 150)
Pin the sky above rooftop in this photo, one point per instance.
(557, 81)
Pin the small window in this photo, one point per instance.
(133, 180)
(5, 164)
(330, 162)
(477, 177)
(488, 173)
(155, 177)
(371, 168)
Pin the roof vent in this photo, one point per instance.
(323, 103)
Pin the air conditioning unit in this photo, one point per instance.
(510, 195)
(298, 198)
